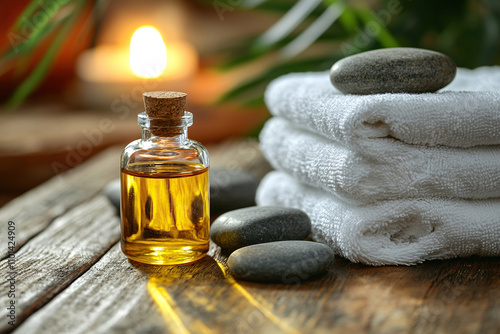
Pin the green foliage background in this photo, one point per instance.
(466, 30)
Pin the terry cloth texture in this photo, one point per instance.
(405, 231)
(389, 178)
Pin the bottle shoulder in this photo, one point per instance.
(153, 158)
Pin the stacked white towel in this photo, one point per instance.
(389, 178)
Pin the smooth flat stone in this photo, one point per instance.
(393, 70)
(231, 189)
(259, 224)
(113, 192)
(281, 261)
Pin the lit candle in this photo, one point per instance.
(148, 54)
(107, 72)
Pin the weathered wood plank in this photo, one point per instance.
(112, 294)
(63, 291)
(54, 275)
(35, 210)
(454, 296)
(116, 295)
(239, 154)
(204, 298)
(49, 262)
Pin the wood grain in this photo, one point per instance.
(49, 262)
(453, 296)
(35, 210)
(110, 297)
(115, 295)
(239, 155)
(73, 278)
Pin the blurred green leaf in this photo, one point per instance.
(42, 26)
(27, 12)
(35, 77)
(381, 34)
(491, 36)
(276, 6)
(242, 54)
(347, 18)
(245, 88)
(30, 43)
(249, 92)
(282, 7)
(254, 102)
(246, 57)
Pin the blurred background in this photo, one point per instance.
(72, 72)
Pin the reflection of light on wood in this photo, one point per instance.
(165, 303)
(227, 275)
(148, 55)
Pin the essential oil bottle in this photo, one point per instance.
(165, 217)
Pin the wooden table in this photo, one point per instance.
(71, 277)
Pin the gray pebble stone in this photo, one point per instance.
(281, 261)
(113, 192)
(231, 189)
(259, 224)
(393, 70)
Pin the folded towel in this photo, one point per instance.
(384, 169)
(391, 232)
(451, 117)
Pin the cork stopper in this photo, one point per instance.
(165, 110)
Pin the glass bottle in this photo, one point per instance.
(165, 217)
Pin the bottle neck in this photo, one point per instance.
(175, 140)
(165, 132)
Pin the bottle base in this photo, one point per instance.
(165, 253)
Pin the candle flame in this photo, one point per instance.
(148, 54)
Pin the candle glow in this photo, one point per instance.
(148, 54)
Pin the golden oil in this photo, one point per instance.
(166, 217)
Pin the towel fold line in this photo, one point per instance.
(383, 168)
(452, 117)
(397, 232)
(388, 179)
